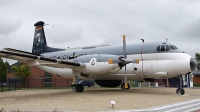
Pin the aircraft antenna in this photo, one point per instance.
(166, 39)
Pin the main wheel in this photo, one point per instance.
(79, 88)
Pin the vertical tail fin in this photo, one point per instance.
(39, 42)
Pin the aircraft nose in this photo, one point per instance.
(193, 64)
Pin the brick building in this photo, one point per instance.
(40, 78)
(196, 77)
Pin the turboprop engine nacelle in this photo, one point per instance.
(97, 64)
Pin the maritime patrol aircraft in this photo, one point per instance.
(109, 66)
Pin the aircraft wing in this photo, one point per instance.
(19, 51)
(34, 60)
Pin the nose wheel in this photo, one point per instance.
(180, 91)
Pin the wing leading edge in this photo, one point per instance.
(19, 51)
(32, 59)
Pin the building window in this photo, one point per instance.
(47, 79)
(197, 76)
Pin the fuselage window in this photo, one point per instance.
(172, 47)
(167, 48)
(163, 48)
(47, 79)
(158, 48)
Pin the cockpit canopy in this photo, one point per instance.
(166, 47)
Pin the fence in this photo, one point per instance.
(10, 84)
(16, 84)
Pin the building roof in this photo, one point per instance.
(196, 72)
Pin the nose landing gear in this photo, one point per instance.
(180, 90)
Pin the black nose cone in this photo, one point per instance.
(193, 64)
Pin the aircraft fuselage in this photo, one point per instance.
(157, 60)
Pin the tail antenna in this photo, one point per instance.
(166, 39)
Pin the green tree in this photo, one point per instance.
(22, 71)
(3, 71)
(197, 57)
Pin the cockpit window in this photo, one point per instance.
(175, 47)
(172, 47)
(165, 47)
(158, 48)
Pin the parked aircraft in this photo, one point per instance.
(109, 66)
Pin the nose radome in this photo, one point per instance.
(193, 64)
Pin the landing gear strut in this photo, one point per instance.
(180, 90)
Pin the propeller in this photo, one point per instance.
(125, 58)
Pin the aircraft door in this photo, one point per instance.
(147, 65)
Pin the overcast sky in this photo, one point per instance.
(75, 23)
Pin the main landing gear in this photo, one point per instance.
(180, 90)
(77, 86)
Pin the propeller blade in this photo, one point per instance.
(124, 45)
(125, 60)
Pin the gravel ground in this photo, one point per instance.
(93, 99)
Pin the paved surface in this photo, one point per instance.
(185, 106)
(93, 99)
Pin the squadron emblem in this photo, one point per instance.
(93, 61)
(37, 37)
